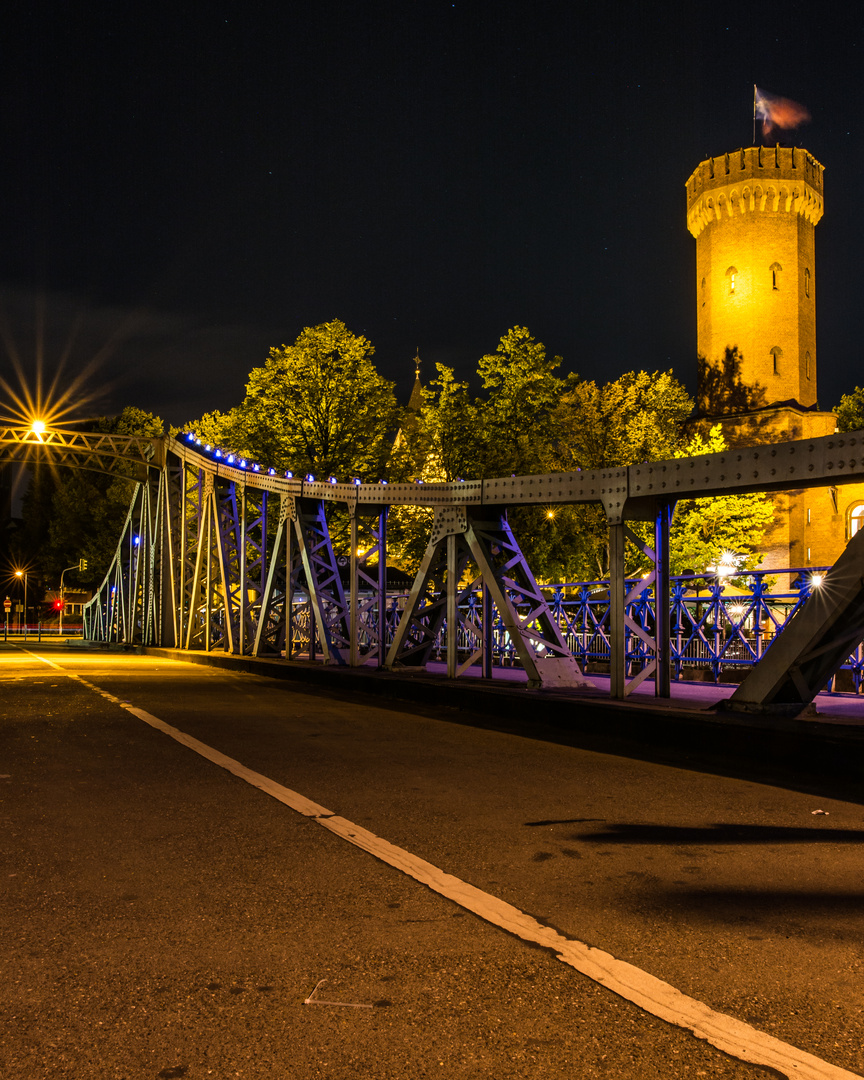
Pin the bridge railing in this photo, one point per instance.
(719, 628)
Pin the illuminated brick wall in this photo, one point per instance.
(753, 214)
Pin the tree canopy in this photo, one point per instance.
(850, 411)
(638, 417)
(320, 406)
(703, 529)
(506, 429)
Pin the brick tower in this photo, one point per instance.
(754, 213)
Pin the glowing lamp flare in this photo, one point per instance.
(777, 112)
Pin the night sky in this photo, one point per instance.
(184, 186)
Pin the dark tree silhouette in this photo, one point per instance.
(720, 390)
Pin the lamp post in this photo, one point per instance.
(20, 574)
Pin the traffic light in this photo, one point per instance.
(58, 604)
(82, 565)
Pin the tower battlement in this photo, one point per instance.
(777, 179)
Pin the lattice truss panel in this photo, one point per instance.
(512, 588)
(126, 605)
(434, 594)
(95, 451)
(462, 549)
(303, 611)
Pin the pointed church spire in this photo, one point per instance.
(415, 402)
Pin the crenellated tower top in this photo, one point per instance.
(755, 178)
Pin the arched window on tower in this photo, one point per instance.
(776, 354)
(808, 366)
(806, 281)
(731, 274)
(855, 519)
(775, 275)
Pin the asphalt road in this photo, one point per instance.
(162, 917)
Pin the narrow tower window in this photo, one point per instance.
(808, 366)
(776, 353)
(775, 275)
(731, 274)
(806, 282)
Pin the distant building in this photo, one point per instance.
(754, 213)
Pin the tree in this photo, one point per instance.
(703, 529)
(522, 392)
(508, 428)
(850, 411)
(447, 439)
(720, 388)
(638, 417)
(318, 406)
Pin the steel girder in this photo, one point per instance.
(95, 451)
(460, 537)
(655, 639)
(368, 585)
(813, 646)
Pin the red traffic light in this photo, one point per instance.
(58, 604)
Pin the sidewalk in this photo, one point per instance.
(694, 696)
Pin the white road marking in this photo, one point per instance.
(649, 993)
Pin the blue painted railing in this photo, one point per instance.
(718, 626)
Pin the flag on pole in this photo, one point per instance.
(776, 112)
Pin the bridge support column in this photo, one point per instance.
(657, 660)
(617, 639)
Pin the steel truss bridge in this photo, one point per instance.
(218, 553)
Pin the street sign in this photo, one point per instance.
(7, 605)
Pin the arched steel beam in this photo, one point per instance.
(95, 451)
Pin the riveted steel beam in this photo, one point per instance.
(813, 646)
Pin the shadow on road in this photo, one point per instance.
(719, 834)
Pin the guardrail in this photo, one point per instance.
(28, 631)
(718, 627)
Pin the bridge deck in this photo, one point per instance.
(684, 730)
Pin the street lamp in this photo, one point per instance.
(20, 574)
